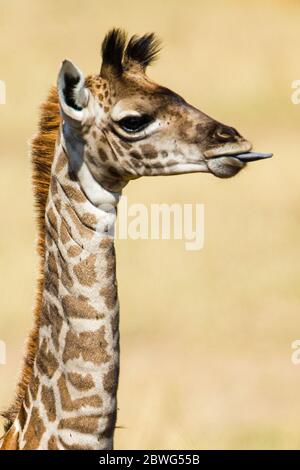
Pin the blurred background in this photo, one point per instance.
(205, 336)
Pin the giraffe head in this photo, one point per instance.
(125, 126)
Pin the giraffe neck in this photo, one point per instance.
(71, 399)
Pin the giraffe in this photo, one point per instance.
(97, 133)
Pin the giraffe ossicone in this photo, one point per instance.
(97, 133)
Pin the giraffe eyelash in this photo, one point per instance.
(133, 124)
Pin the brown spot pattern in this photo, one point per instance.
(110, 295)
(79, 308)
(89, 219)
(66, 279)
(83, 231)
(11, 440)
(107, 244)
(74, 250)
(34, 386)
(58, 206)
(90, 345)
(52, 443)
(70, 405)
(135, 154)
(22, 416)
(26, 399)
(46, 361)
(34, 431)
(51, 317)
(48, 400)
(74, 194)
(149, 151)
(85, 271)
(110, 381)
(52, 265)
(52, 217)
(64, 234)
(115, 323)
(61, 162)
(84, 424)
(102, 155)
(81, 382)
(53, 186)
(51, 275)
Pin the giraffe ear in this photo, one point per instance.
(73, 95)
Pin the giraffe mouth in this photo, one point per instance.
(244, 157)
(229, 164)
(241, 151)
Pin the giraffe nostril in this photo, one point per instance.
(225, 133)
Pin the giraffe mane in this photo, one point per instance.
(42, 154)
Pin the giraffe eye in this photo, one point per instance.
(132, 124)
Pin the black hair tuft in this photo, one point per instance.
(113, 48)
(143, 49)
(140, 49)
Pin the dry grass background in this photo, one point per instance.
(206, 336)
